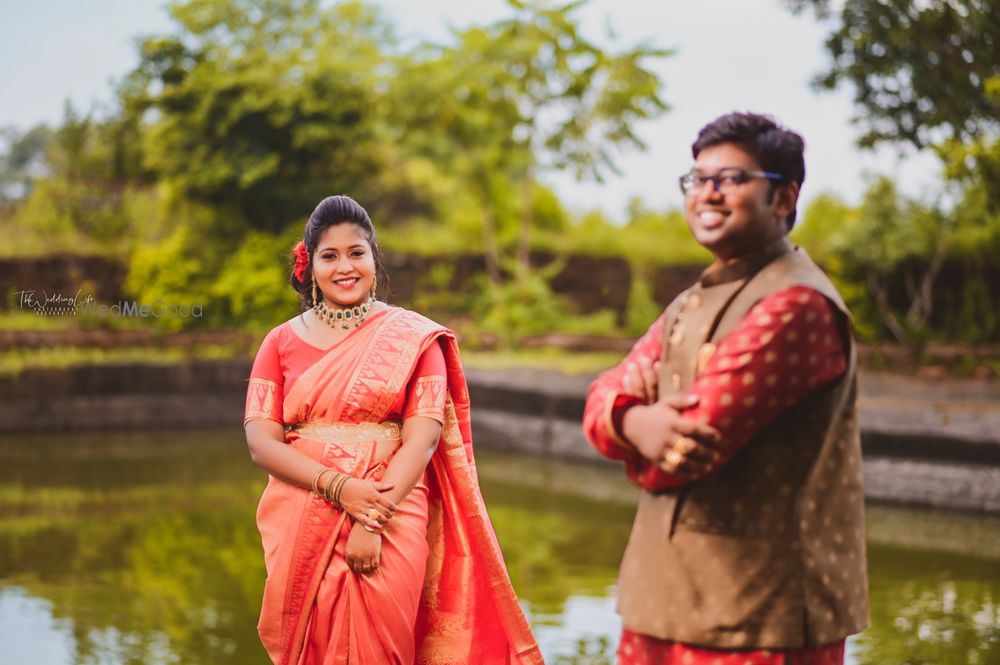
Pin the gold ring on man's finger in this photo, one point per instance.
(674, 458)
(684, 445)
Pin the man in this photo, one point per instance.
(735, 413)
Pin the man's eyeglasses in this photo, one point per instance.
(725, 181)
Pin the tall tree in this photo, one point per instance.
(530, 93)
(577, 103)
(23, 160)
(262, 107)
(447, 112)
(919, 70)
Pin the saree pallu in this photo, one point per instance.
(441, 595)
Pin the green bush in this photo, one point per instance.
(528, 306)
(253, 287)
(642, 309)
(648, 239)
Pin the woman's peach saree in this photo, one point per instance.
(442, 593)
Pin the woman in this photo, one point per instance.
(377, 543)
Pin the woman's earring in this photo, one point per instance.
(374, 284)
(315, 301)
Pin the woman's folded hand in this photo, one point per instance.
(365, 501)
(363, 550)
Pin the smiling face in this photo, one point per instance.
(737, 222)
(344, 265)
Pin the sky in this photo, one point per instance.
(748, 55)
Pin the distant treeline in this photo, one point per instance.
(200, 175)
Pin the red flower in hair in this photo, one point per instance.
(301, 260)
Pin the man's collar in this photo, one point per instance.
(746, 265)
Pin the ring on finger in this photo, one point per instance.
(684, 445)
(674, 458)
(374, 515)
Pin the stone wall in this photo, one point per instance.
(127, 396)
(939, 465)
(62, 274)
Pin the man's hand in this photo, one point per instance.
(678, 445)
(363, 550)
(640, 380)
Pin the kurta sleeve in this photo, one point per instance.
(787, 347)
(606, 402)
(427, 389)
(265, 392)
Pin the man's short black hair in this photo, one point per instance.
(776, 148)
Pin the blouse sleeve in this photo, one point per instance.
(428, 387)
(265, 392)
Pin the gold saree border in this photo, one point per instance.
(263, 401)
(454, 468)
(431, 392)
(348, 433)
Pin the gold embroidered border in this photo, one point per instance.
(341, 433)
(430, 393)
(263, 401)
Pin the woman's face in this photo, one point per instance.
(344, 265)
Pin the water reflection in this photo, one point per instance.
(141, 548)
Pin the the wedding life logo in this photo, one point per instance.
(57, 304)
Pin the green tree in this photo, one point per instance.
(926, 75)
(79, 190)
(887, 253)
(263, 107)
(975, 164)
(447, 113)
(919, 70)
(525, 94)
(576, 103)
(23, 160)
(822, 225)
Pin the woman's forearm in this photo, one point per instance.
(356, 496)
(420, 438)
(283, 462)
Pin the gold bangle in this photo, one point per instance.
(340, 491)
(316, 478)
(335, 492)
(327, 492)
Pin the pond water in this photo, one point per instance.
(142, 548)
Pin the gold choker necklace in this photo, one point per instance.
(345, 317)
